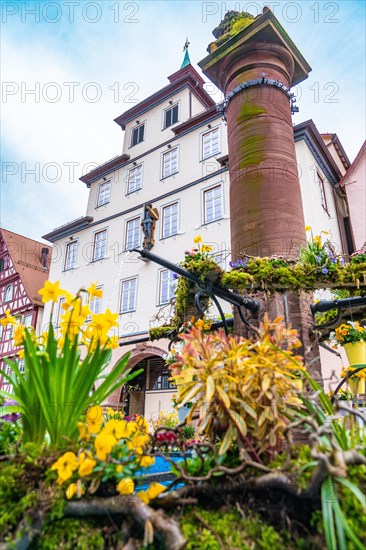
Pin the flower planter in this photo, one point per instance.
(356, 353)
(356, 385)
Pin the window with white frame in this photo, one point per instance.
(99, 245)
(323, 196)
(211, 143)
(170, 220)
(170, 162)
(21, 365)
(71, 255)
(104, 193)
(8, 293)
(171, 115)
(128, 295)
(134, 179)
(95, 304)
(167, 286)
(212, 204)
(27, 320)
(137, 134)
(133, 232)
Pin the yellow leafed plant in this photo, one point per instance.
(241, 389)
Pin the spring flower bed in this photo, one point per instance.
(241, 482)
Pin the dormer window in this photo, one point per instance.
(137, 134)
(171, 115)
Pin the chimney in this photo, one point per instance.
(44, 257)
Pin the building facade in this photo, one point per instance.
(175, 158)
(24, 267)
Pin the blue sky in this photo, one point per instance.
(90, 61)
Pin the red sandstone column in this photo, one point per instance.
(265, 199)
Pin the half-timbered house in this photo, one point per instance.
(24, 267)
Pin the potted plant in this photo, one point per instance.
(352, 336)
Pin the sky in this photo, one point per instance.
(69, 68)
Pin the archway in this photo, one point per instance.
(153, 381)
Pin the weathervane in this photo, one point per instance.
(185, 47)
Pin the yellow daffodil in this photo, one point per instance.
(206, 248)
(86, 467)
(104, 443)
(69, 298)
(51, 291)
(19, 335)
(8, 319)
(65, 466)
(307, 227)
(94, 418)
(95, 292)
(119, 469)
(197, 239)
(126, 486)
(152, 492)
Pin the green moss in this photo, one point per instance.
(70, 534)
(249, 533)
(160, 332)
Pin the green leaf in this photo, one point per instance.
(355, 490)
(328, 520)
(210, 388)
(239, 422)
(224, 397)
(226, 440)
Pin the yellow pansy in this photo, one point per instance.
(104, 443)
(94, 418)
(83, 431)
(117, 428)
(65, 466)
(126, 486)
(51, 291)
(86, 467)
(152, 492)
(75, 489)
(147, 461)
(142, 423)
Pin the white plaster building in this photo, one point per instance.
(175, 156)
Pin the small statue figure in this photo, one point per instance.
(148, 226)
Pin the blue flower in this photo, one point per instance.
(318, 259)
(324, 270)
(175, 275)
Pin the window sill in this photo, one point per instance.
(170, 236)
(170, 175)
(214, 155)
(70, 269)
(136, 144)
(129, 311)
(102, 205)
(133, 192)
(99, 259)
(214, 221)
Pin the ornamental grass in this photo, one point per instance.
(64, 372)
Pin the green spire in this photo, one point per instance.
(186, 60)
